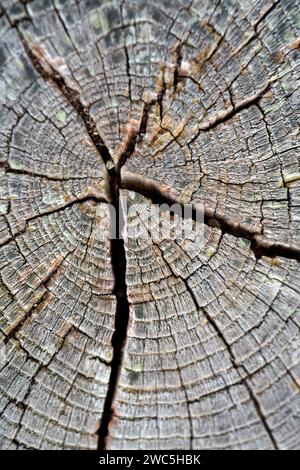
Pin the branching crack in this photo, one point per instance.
(137, 132)
(56, 71)
(254, 35)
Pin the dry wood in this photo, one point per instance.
(143, 342)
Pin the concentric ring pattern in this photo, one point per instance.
(190, 101)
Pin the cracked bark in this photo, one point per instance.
(202, 334)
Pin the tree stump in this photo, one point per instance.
(143, 342)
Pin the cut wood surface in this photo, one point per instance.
(137, 342)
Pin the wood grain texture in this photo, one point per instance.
(142, 343)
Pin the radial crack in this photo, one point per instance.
(220, 334)
(25, 222)
(224, 116)
(26, 172)
(118, 259)
(135, 134)
(161, 194)
(51, 274)
(252, 395)
(55, 70)
(177, 60)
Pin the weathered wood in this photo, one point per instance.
(149, 342)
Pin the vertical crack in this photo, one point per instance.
(51, 70)
(118, 260)
(128, 70)
(177, 60)
(64, 26)
(161, 93)
(135, 135)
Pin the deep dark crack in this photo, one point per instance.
(118, 260)
(49, 68)
(260, 245)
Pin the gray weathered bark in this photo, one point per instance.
(139, 343)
